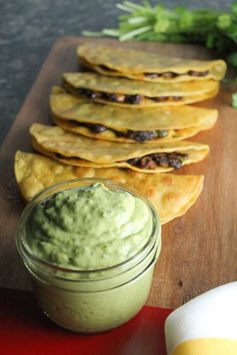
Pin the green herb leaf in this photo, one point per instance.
(210, 40)
(234, 100)
(162, 133)
(186, 21)
(234, 8)
(224, 21)
(162, 25)
(232, 59)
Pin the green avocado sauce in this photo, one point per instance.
(89, 228)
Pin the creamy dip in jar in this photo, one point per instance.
(90, 247)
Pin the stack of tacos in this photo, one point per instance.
(127, 120)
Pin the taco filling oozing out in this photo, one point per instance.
(121, 98)
(138, 136)
(151, 161)
(166, 160)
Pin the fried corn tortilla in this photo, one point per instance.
(172, 195)
(78, 150)
(119, 124)
(147, 66)
(129, 93)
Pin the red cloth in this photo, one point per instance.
(24, 329)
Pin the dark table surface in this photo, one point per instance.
(28, 28)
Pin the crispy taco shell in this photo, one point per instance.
(172, 195)
(131, 93)
(147, 66)
(122, 125)
(74, 149)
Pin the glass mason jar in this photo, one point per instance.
(90, 301)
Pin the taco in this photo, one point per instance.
(78, 150)
(172, 195)
(113, 123)
(147, 66)
(130, 93)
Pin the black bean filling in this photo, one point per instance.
(142, 136)
(121, 98)
(167, 98)
(171, 75)
(166, 75)
(95, 128)
(166, 160)
(139, 136)
(151, 161)
(198, 73)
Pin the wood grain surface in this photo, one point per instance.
(199, 250)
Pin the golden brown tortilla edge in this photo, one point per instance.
(192, 201)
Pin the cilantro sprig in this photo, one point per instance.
(214, 29)
(234, 100)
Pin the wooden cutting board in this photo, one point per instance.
(199, 250)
